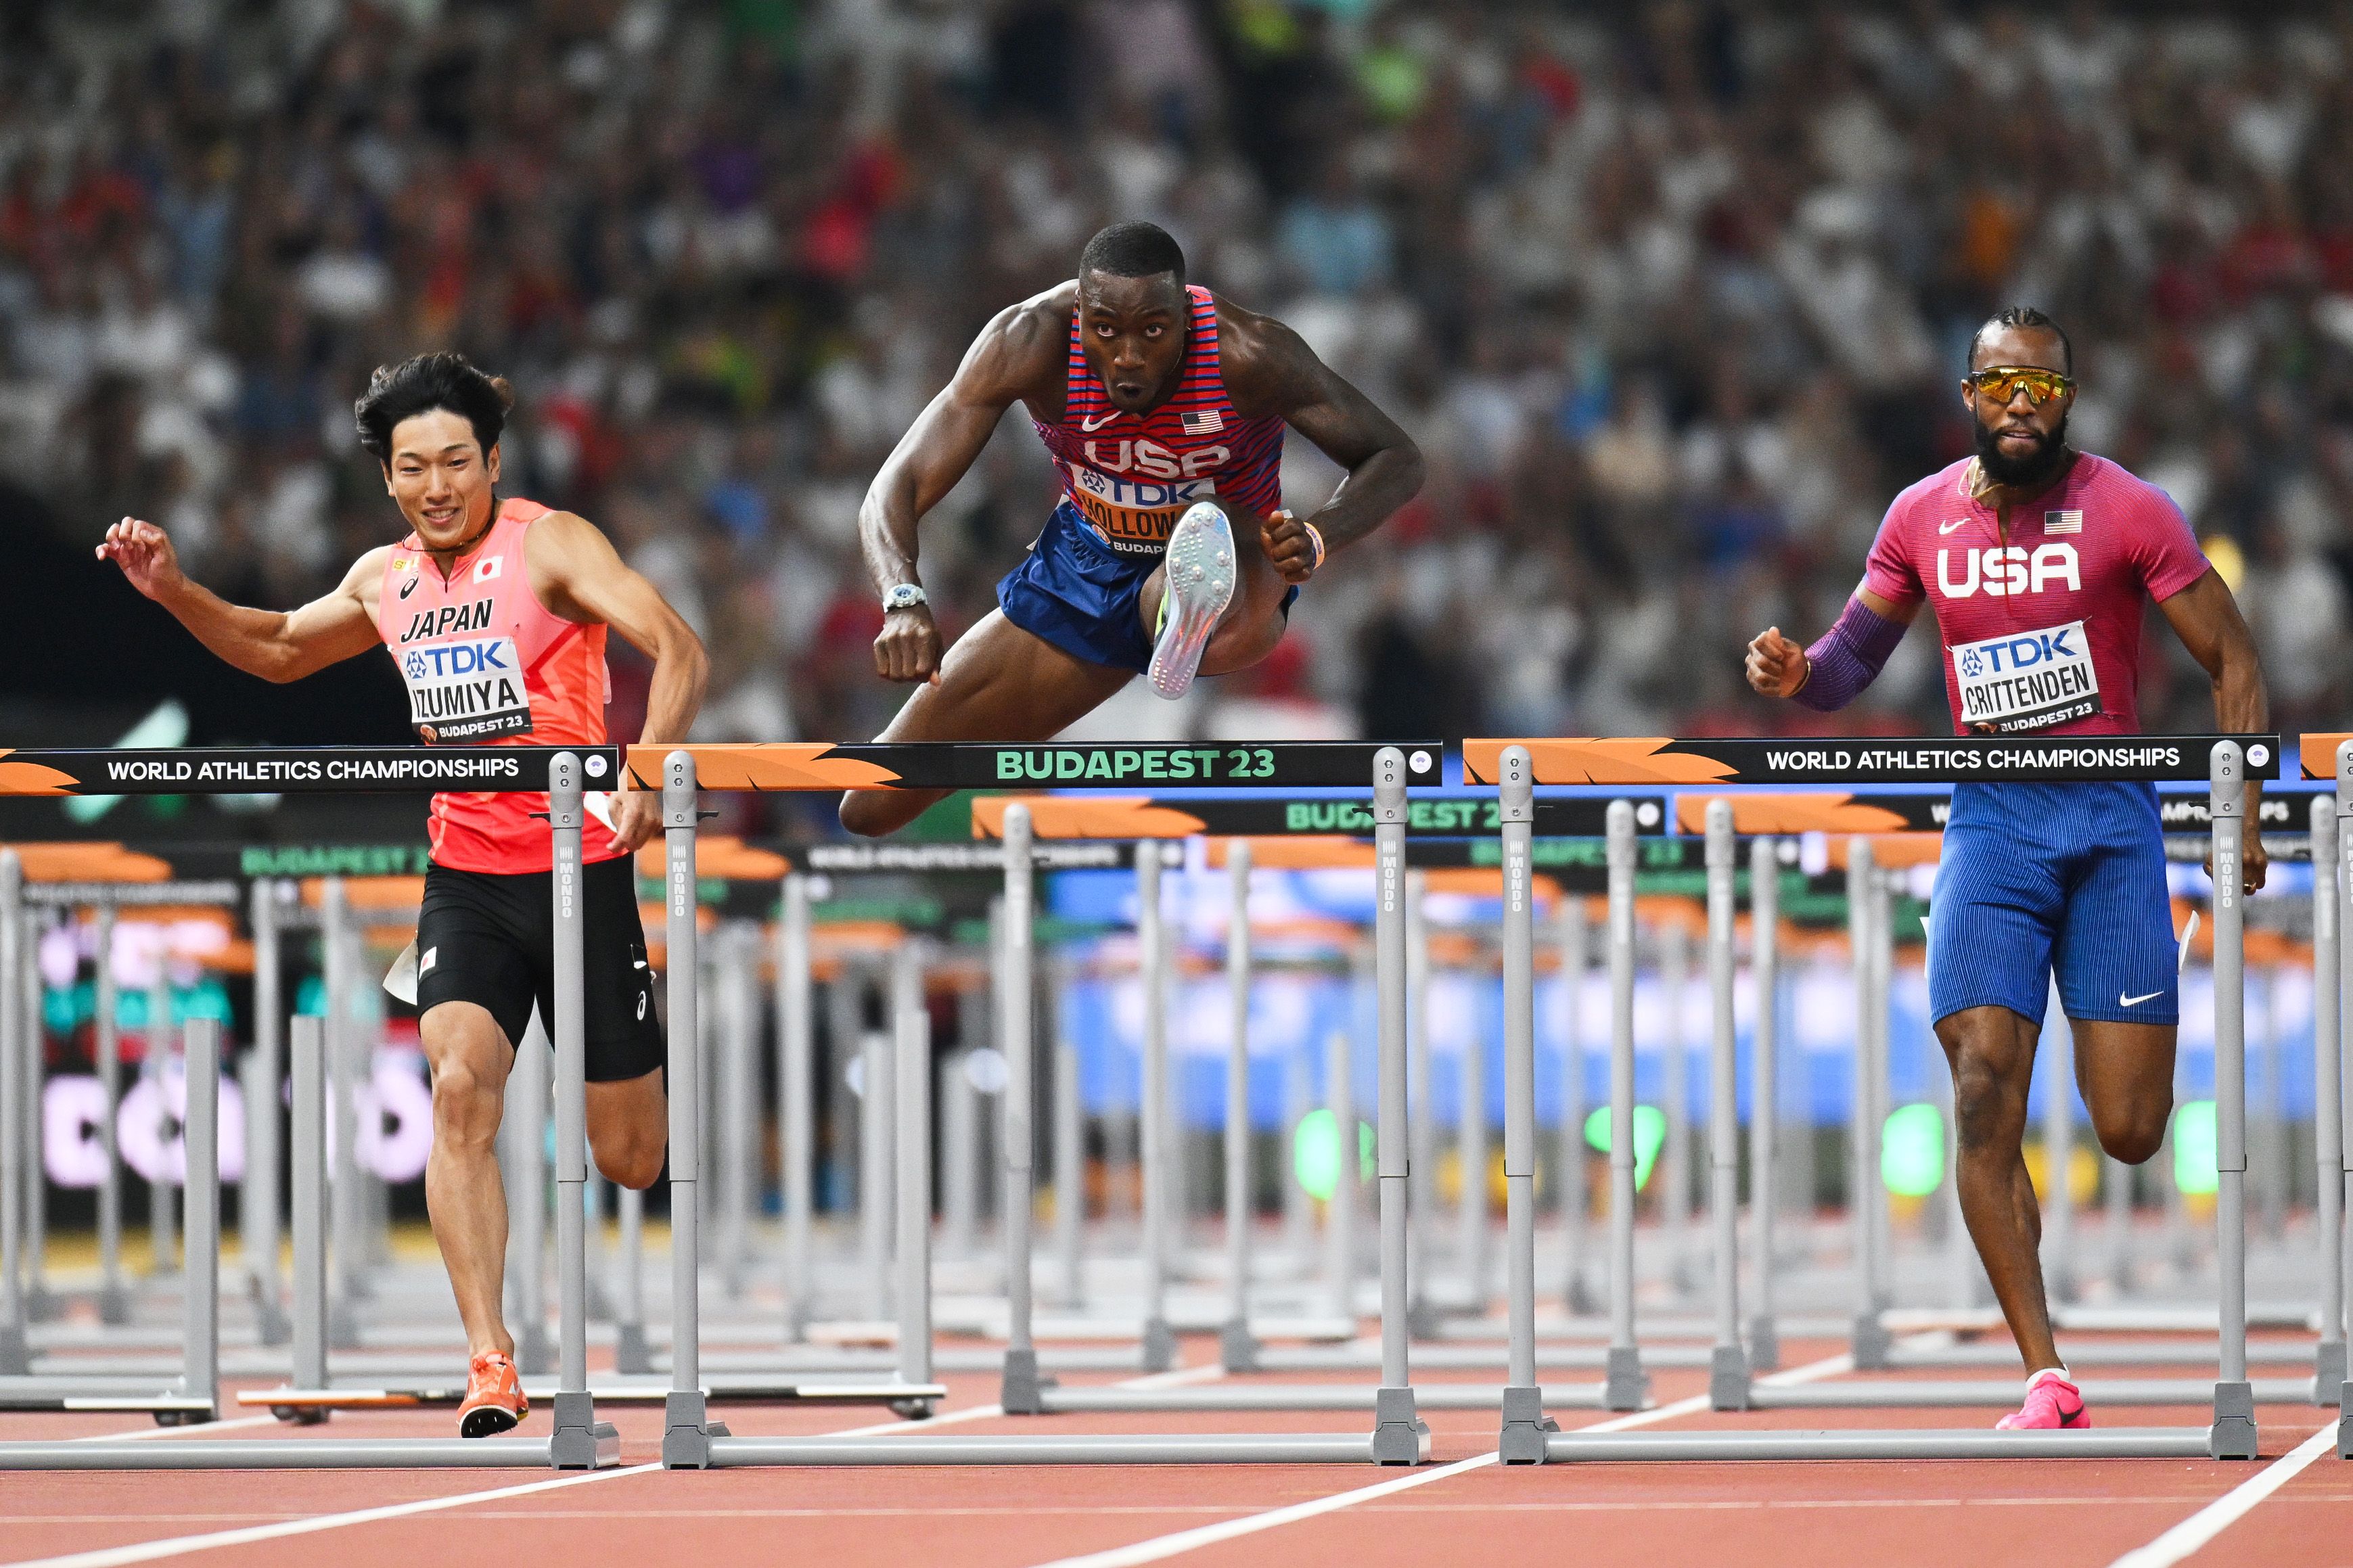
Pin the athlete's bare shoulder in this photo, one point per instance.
(1269, 369)
(365, 581)
(1024, 351)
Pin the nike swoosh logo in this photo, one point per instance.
(1088, 427)
(2124, 1001)
(1948, 527)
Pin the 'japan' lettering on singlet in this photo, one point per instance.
(1133, 477)
(485, 663)
(2041, 626)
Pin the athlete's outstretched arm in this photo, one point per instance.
(1003, 364)
(1269, 369)
(2206, 618)
(1855, 649)
(275, 645)
(578, 574)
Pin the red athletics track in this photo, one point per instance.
(1705, 1516)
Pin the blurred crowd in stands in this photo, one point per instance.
(1674, 296)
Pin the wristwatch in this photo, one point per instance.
(904, 596)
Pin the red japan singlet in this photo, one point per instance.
(487, 664)
(1132, 476)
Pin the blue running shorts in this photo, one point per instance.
(1075, 591)
(2038, 877)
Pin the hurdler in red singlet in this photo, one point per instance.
(495, 616)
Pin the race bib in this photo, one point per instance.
(2027, 680)
(471, 689)
(1135, 516)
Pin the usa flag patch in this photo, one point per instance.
(1208, 422)
(2063, 522)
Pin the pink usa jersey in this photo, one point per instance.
(1132, 478)
(2040, 627)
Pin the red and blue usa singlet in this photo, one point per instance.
(1132, 477)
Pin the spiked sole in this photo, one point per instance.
(1199, 582)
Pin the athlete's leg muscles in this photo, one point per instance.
(998, 682)
(1253, 622)
(629, 1128)
(471, 1057)
(2125, 1071)
(1991, 1050)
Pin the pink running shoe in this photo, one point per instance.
(2052, 1402)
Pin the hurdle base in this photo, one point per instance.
(41, 1304)
(631, 1353)
(2345, 1421)
(1521, 1439)
(1870, 1342)
(1022, 1390)
(1076, 1448)
(2232, 1436)
(16, 1356)
(2327, 1370)
(1763, 1344)
(1624, 1385)
(686, 1431)
(534, 1353)
(114, 1310)
(1400, 1437)
(1963, 1443)
(1727, 1379)
(1157, 1345)
(343, 1327)
(1236, 1346)
(581, 1441)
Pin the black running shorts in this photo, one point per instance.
(489, 939)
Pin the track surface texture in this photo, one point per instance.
(1702, 1515)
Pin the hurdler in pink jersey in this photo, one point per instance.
(495, 616)
(2038, 563)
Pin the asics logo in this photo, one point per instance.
(1088, 427)
(2124, 1001)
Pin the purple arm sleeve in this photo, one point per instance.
(1848, 657)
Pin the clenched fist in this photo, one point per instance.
(1290, 546)
(909, 647)
(1776, 667)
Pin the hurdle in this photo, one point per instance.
(1514, 768)
(579, 1440)
(1397, 1436)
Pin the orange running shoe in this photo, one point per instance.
(494, 1401)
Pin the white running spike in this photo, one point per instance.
(1199, 580)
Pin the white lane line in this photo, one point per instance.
(173, 1546)
(1165, 1546)
(204, 1429)
(2230, 1507)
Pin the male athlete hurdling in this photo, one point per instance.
(2032, 546)
(495, 615)
(1164, 408)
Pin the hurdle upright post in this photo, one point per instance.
(2234, 1434)
(2328, 1082)
(307, 1199)
(1764, 1095)
(154, 1058)
(1153, 1129)
(1727, 1363)
(200, 1277)
(687, 1430)
(1569, 1142)
(1017, 1030)
(910, 1026)
(527, 1101)
(344, 1257)
(1340, 1213)
(2342, 1109)
(2058, 1054)
(1624, 1385)
(106, 1046)
(1400, 1435)
(1672, 1170)
(40, 1305)
(1870, 1342)
(1521, 1437)
(1069, 1172)
(264, 1070)
(15, 1357)
(797, 1135)
(581, 1442)
(1236, 1346)
(1422, 1187)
